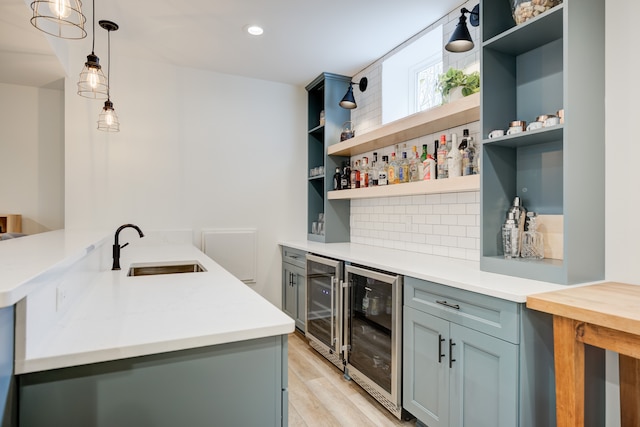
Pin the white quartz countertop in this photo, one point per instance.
(447, 271)
(23, 260)
(120, 316)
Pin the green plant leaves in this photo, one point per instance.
(453, 78)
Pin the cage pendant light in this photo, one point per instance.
(93, 83)
(108, 119)
(59, 18)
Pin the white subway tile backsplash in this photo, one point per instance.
(441, 224)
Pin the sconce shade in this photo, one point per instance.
(59, 18)
(460, 40)
(108, 119)
(349, 101)
(93, 83)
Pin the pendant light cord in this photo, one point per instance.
(109, 64)
(93, 44)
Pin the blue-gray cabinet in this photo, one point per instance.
(294, 283)
(235, 384)
(8, 400)
(473, 360)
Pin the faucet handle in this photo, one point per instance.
(122, 246)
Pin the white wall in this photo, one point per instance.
(32, 156)
(622, 151)
(196, 150)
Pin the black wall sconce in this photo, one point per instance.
(348, 101)
(460, 40)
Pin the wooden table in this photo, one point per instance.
(605, 315)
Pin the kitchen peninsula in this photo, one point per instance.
(97, 347)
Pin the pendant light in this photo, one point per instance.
(108, 119)
(93, 83)
(59, 18)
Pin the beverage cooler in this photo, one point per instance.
(373, 334)
(356, 323)
(325, 306)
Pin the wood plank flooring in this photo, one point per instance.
(320, 396)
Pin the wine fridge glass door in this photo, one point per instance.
(373, 326)
(323, 301)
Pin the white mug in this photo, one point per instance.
(496, 133)
(552, 121)
(535, 125)
(513, 130)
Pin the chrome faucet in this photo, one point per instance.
(117, 247)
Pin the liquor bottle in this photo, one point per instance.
(352, 176)
(468, 154)
(413, 165)
(454, 158)
(391, 170)
(403, 168)
(373, 171)
(436, 145)
(356, 167)
(382, 171)
(423, 157)
(364, 172)
(337, 179)
(442, 158)
(430, 169)
(346, 176)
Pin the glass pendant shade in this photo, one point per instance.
(349, 102)
(108, 119)
(59, 18)
(460, 40)
(93, 83)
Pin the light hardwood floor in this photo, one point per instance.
(320, 396)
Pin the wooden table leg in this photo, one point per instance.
(629, 370)
(569, 370)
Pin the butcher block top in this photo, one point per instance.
(610, 304)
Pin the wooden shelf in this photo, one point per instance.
(449, 185)
(455, 113)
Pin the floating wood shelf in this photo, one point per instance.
(455, 113)
(449, 185)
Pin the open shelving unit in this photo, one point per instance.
(551, 62)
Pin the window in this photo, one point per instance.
(409, 77)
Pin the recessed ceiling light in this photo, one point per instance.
(255, 30)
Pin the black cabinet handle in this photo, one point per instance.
(451, 359)
(456, 306)
(440, 341)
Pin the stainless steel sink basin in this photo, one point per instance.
(153, 268)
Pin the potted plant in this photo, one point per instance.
(455, 84)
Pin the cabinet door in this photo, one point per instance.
(289, 292)
(484, 380)
(426, 367)
(300, 283)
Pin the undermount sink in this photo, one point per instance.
(153, 268)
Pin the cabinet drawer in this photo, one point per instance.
(493, 316)
(294, 256)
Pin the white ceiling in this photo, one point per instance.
(302, 38)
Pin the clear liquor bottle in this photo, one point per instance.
(414, 161)
(392, 170)
(382, 171)
(442, 158)
(364, 173)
